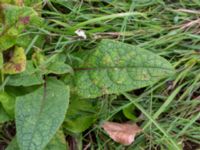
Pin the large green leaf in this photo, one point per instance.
(40, 114)
(116, 67)
(81, 114)
(57, 143)
(29, 77)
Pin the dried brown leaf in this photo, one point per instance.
(123, 133)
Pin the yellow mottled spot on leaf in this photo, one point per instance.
(145, 75)
(104, 90)
(107, 60)
(116, 69)
(17, 62)
(120, 81)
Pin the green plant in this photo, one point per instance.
(49, 90)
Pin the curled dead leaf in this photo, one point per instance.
(123, 133)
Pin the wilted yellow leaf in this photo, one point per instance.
(17, 62)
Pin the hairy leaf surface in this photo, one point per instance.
(115, 67)
(57, 143)
(40, 114)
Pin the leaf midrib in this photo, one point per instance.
(39, 115)
(118, 67)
